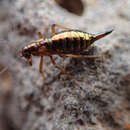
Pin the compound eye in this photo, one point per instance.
(26, 54)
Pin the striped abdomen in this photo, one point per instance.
(68, 42)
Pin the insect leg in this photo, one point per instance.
(3, 70)
(61, 69)
(63, 56)
(60, 26)
(82, 56)
(54, 63)
(41, 67)
(40, 35)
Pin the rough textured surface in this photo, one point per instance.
(97, 98)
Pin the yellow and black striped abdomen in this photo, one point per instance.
(69, 42)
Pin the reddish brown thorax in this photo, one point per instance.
(36, 48)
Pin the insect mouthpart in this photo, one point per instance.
(27, 54)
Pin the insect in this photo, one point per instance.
(67, 43)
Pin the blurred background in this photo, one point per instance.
(27, 102)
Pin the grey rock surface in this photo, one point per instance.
(97, 97)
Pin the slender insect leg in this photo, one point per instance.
(40, 35)
(54, 63)
(41, 67)
(82, 56)
(62, 70)
(63, 56)
(3, 70)
(60, 26)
